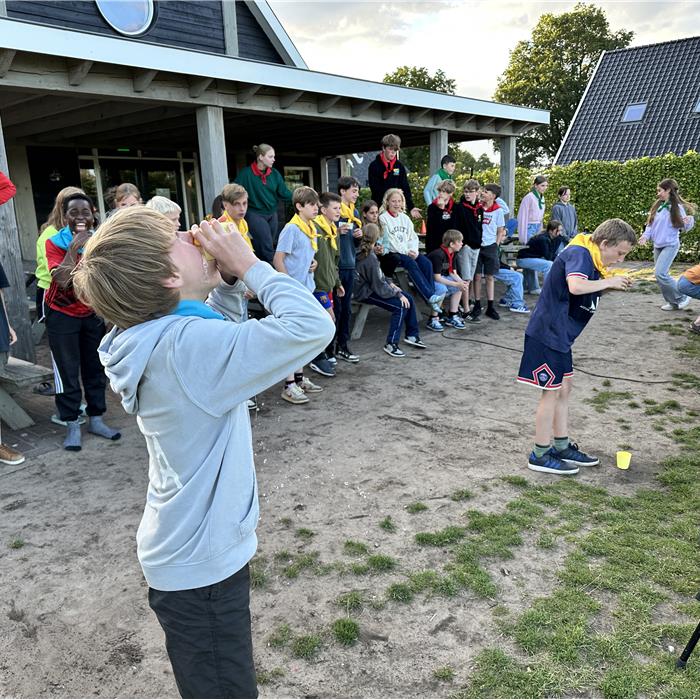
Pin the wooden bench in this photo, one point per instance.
(19, 374)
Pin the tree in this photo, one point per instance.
(551, 72)
(417, 158)
(483, 162)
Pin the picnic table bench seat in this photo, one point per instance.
(19, 374)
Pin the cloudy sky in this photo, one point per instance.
(469, 40)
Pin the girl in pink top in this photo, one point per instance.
(531, 210)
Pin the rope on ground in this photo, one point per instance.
(576, 367)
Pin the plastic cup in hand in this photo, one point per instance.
(623, 459)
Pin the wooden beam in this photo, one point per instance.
(143, 78)
(6, 58)
(199, 85)
(388, 111)
(26, 97)
(461, 122)
(415, 114)
(359, 107)
(287, 99)
(77, 71)
(48, 106)
(245, 93)
(325, 103)
(504, 125)
(441, 117)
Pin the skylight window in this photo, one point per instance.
(635, 112)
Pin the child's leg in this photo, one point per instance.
(663, 259)
(560, 422)
(64, 341)
(489, 288)
(398, 313)
(544, 418)
(343, 309)
(454, 302)
(208, 637)
(476, 288)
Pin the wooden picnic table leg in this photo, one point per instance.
(12, 413)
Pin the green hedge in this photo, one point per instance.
(607, 189)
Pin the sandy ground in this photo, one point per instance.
(74, 619)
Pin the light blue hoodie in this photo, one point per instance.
(187, 380)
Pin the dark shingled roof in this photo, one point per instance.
(666, 76)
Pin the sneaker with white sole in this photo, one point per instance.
(455, 321)
(322, 366)
(294, 394)
(519, 309)
(684, 303)
(669, 307)
(414, 340)
(347, 355)
(435, 325)
(10, 456)
(394, 350)
(252, 404)
(549, 463)
(503, 302)
(572, 455)
(308, 387)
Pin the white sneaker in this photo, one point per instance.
(684, 303)
(294, 394)
(308, 387)
(669, 307)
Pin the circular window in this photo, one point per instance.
(129, 17)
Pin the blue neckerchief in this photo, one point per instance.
(63, 239)
(190, 307)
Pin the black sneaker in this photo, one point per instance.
(394, 350)
(414, 340)
(470, 318)
(347, 355)
(572, 455)
(492, 313)
(322, 366)
(550, 464)
(476, 311)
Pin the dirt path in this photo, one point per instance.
(74, 620)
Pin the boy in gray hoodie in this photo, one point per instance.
(186, 371)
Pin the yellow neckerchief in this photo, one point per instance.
(329, 228)
(307, 229)
(585, 241)
(241, 225)
(347, 211)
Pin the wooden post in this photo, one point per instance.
(507, 147)
(11, 259)
(212, 152)
(438, 148)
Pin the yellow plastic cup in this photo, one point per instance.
(624, 459)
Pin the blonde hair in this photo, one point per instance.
(447, 186)
(262, 149)
(389, 194)
(233, 192)
(392, 141)
(614, 231)
(163, 205)
(451, 236)
(126, 189)
(56, 218)
(124, 265)
(370, 236)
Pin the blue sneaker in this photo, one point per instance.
(550, 463)
(503, 302)
(435, 325)
(519, 309)
(572, 455)
(455, 321)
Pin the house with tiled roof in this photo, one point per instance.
(640, 101)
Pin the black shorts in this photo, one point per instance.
(488, 263)
(543, 367)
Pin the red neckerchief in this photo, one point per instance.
(473, 207)
(388, 164)
(493, 207)
(391, 214)
(450, 257)
(262, 175)
(448, 206)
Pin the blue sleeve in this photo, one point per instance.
(285, 244)
(430, 190)
(578, 262)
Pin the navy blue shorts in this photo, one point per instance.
(543, 367)
(325, 299)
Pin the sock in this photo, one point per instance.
(287, 382)
(540, 450)
(298, 377)
(73, 438)
(477, 303)
(561, 443)
(99, 427)
(489, 304)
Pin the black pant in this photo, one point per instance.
(342, 308)
(74, 342)
(263, 233)
(208, 637)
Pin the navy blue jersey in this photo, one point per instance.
(560, 317)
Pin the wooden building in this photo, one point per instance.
(172, 96)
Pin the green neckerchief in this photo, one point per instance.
(444, 175)
(664, 205)
(540, 198)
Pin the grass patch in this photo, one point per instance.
(359, 569)
(416, 507)
(280, 637)
(668, 328)
(400, 592)
(671, 405)
(354, 548)
(300, 562)
(17, 543)
(303, 533)
(306, 646)
(444, 674)
(352, 601)
(461, 495)
(604, 399)
(441, 538)
(258, 576)
(388, 524)
(513, 480)
(267, 677)
(381, 562)
(346, 631)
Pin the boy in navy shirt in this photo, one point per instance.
(569, 298)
